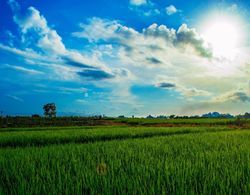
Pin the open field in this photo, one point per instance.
(125, 159)
(16, 122)
(181, 122)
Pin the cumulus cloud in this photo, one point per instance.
(181, 38)
(112, 32)
(189, 36)
(119, 56)
(48, 39)
(161, 31)
(171, 9)
(153, 50)
(48, 47)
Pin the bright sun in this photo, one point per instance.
(224, 35)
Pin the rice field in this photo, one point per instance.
(125, 160)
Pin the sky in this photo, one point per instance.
(126, 57)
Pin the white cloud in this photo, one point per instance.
(15, 98)
(235, 102)
(98, 29)
(27, 53)
(49, 49)
(144, 8)
(188, 92)
(234, 96)
(152, 12)
(73, 90)
(189, 36)
(138, 2)
(123, 56)
(48, 39)
(153, 50)
(81, 101)
(24, 70)
(171, 9)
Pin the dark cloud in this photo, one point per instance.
(233, 96)
(154, 60)
(95, 74)
(75, 63)
(166, 85)
(238, 96)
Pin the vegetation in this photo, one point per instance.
(181, 122)
(49, 110)
(47, 136)
(125, 160)
(37, 121)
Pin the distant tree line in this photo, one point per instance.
(50, 118)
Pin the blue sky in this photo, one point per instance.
(128, 57)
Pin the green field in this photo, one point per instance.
(199, 159)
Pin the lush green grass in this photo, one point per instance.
(194, 160)
(190, 121)
(47, 136)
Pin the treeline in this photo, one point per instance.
(208, 115)
(37, 121)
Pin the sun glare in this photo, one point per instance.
(223, 35)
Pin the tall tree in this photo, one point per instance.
(50, 110)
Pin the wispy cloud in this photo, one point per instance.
(15, 98)
(233, 96)
(188, 92)
(47, 45)
(23, 69)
